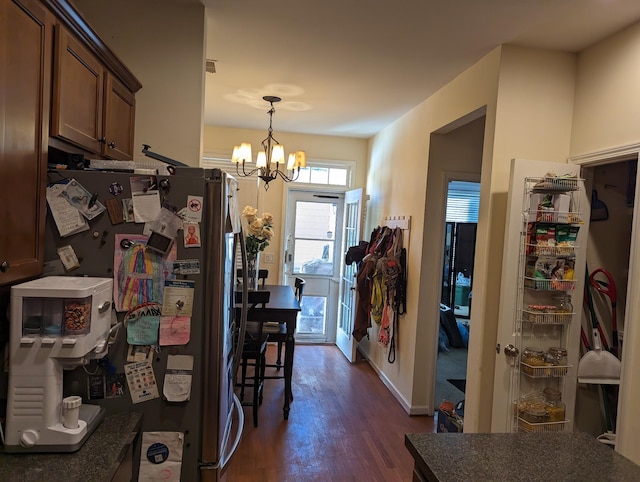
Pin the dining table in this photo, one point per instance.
(283, 307)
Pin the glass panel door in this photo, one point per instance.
(351, 237)
(313, 253)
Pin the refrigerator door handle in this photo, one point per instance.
(227, 456)
(244, 309)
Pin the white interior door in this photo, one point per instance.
(351, 234)
(313, 252)
(506, 375)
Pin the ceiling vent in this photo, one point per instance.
(211, 66)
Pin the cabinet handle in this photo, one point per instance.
(112, 145)
(102, 140)
(4, 267)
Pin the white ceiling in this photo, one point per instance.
(349, 68)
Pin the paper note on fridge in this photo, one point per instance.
(177, 298)
(175, 330)
(142, 324)
(161, 456)
(177, 378)
(146, 206)
(68, 219)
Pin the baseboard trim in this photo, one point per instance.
(406, 406)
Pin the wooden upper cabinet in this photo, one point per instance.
(78, 93)
(119, 120)
(91, 108)
(26, 43)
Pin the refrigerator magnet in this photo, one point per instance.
(159, 242)
(115, 188)
(186, 266)
(194, 209)
(115, 211)
(68, 257)
(141, 381)
(192, 235)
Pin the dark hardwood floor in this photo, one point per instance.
(344, 425)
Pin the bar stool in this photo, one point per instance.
(254, 353)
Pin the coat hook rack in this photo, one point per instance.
(402, 222)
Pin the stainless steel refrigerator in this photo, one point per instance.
(211, 419)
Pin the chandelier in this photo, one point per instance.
(270, 160)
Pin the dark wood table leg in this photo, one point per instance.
(288, 367)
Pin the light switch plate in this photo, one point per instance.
(269, 258)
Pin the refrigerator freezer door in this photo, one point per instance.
(219, 351)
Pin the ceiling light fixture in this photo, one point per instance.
(269, 160)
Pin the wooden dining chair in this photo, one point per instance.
(254, 352)
(277, 331)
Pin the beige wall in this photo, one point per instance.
(528, 96)
(607, 112)
(162, 43)
(533, 121)
(318, 148)
(397, 184)
(606, 116)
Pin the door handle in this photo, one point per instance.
(511, 351)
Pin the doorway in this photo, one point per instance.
(462, 206)
(611, 188)
(313, 252)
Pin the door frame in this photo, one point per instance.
(628, 425)
(431, 371)
(334, 282)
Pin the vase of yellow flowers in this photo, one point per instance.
(258, 234)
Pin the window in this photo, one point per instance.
(326, 173)
(218, 158)
(330, 176)
(463, 202)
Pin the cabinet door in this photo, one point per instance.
(119, 118)
(26, 29)
(78, 94)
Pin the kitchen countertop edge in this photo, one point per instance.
(97, 460)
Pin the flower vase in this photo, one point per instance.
(253, 269)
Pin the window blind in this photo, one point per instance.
(463, 202)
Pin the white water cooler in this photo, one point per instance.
(57, 323)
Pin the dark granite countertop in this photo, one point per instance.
(559, 456)
(97, 459)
